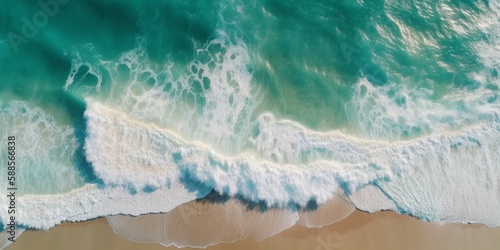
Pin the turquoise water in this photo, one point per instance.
(304, 56)
(213, 71)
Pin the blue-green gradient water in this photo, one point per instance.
(243, 78)
(304, 56)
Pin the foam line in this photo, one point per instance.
(90, 201)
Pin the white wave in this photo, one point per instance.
(451, 176)
(91, 201)
(45, 150)
(126, 152)
(423, 177)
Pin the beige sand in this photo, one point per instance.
(382, 230)
(205, 223)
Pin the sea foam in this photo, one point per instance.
(45, 149)
(210, 99)
(147, 169)
(296, 166)
(128, 153)
(424, 177)
(92, 201)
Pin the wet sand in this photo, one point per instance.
(382, 230)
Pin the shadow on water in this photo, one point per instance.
(75, 108)
(206, 194)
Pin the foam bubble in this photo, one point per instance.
(424, 176)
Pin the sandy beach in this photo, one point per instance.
(382, 230)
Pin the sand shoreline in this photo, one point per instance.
(360, 230)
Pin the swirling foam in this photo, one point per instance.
(45, 149)
(396, 111)
(210, 99)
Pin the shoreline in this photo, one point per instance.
(360, 230)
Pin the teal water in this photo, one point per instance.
(315, 51)
(207, 70)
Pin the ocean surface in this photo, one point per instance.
(261, 111)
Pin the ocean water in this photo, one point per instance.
(280, 107)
